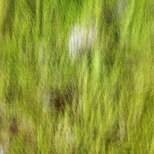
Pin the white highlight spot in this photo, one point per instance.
(1, 150)
(81, 39)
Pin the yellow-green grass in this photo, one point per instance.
(50, 103)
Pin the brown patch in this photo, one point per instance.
(14, 126)
(60, 98)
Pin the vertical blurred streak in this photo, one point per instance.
(7, 23)
(2, 14)
(39, 16)
(121, 7)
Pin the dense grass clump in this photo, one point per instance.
(101, 101)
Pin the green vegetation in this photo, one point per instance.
(50, 103)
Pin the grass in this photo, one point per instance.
(50, 103)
